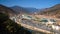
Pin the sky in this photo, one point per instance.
(30, 3)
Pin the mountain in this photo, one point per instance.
(52, 11)
(6, 10)
(19, 9)
(31, 10)
(8, 26)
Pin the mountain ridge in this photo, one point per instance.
(27, 10)
(6, 10)
(52, 11)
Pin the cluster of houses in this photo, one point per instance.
(45, 21)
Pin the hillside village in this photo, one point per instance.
(48, 22)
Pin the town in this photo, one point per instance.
(45, 24)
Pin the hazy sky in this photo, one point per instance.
(30, 3)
